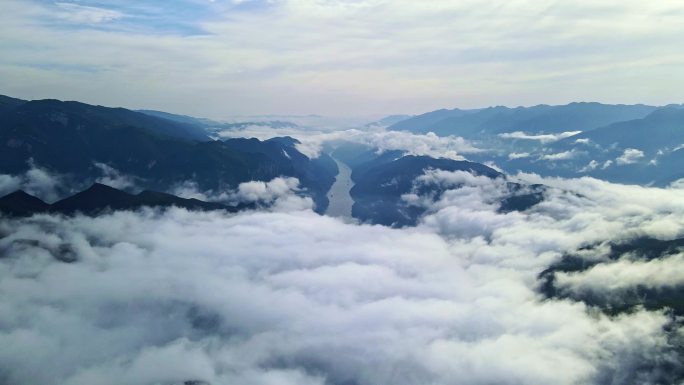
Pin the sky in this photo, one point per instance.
(225, 58)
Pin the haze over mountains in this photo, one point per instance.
(622, 143)
(146, 247)
(259, 192)
(542, 119)
(175, 153)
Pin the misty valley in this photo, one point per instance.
(528, 245)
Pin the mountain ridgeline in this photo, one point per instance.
(69, 138)
(100, 198)
(539, 119)
(636, 144)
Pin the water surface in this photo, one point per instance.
(340, 200)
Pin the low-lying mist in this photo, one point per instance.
(286, 296)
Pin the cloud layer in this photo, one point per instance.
(542, 138)
(280, 193)
(36, 181)
(291, 297)
(313, 140)
(341, 57)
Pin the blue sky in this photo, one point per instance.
(175, 17)
(335, 57)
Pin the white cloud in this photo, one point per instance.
(630, 156)
(678, 184)
(519, 155)
(40, 182)
(9, 183)
(281, 193)
(590, 166)
(112, 177)
(605, 278)
(291, 297)
(334, 57)
(542, 138)
(312, 140)
(565, 155)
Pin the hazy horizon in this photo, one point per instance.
(354, 117)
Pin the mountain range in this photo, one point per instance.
(637, 144)
(160, 151)
(99, 198)
(539, 119)
(70, 138)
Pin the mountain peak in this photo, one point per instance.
(19, 194)
(22, 203)
(99, 187)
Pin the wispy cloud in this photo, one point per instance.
(543, 138)
(334, 57)
(565, 155)
(77, 13)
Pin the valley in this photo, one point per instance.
(340, 201)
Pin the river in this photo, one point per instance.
(340, 200)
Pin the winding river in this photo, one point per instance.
(340, 200)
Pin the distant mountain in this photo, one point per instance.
(213, 126)
(185, 119)
(475, 124)
(359, 155)
(389, 120)
(236, 126)
(420, 123)
(98, 198)
(643, 151)
(70, 137)
(660, 129)
(361, 158)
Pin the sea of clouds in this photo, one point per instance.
(312, 140)
(286, 296)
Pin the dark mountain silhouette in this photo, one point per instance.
(7, 103)
(94, 198)
(62, 115)
(20, 203)
(98, 198)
